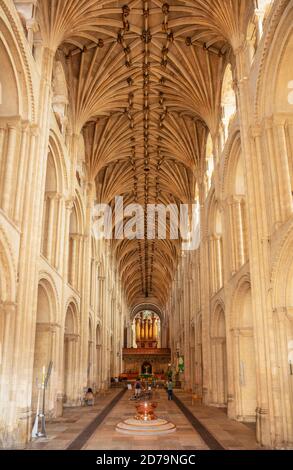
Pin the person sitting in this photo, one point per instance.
(89, 397)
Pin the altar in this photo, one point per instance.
(142, 361)
(146, 357)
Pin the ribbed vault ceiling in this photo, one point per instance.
(144, 81)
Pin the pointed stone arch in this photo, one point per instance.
(282, 299)
(275, 43)
(243, 347)
(219, 374)
(70, 355)
(17, 60)
(7, 270)
(46, 329)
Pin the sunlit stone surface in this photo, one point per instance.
(177, 103)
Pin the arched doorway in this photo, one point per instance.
(219, 358)
(70, 355)
(7, 329)
(228, 102)
(43, 351)
(283, 337)
(244, 356)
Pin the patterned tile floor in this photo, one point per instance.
(232, 435)
(62, 432)
(185, 438)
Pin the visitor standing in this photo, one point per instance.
(170, 389)
(137, 388)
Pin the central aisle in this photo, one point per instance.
(185, 438)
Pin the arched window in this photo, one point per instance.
(228, 102)
(60, 96)
(10, 97)
(81, 162)
(237, 212)
(70, 354)
(50, 211)
(27, 13)
(262, 11)
(209, 164)
(252, 38)
(75, 249)
(216, 249)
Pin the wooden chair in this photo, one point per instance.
(195, 399)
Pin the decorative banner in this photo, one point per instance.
(181, 364)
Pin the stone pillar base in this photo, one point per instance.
(59, 404)
(18, 435)
(263, 428)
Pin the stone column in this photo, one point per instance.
(52, 197)
(221, 371)
(259, 254)
(66, 241)
(79, 261)
(2, 135)
(98, 366)
(8, 317)
(9, 168)
(58, 231)
(28, 267)
(239, 232)
(214, 375)
(90, 369)
(234, 401)
(68, 368)
(274, 200)
(84, 285)
(211, 262)
(56, 391)
(23, 157)
(129, 343)
(187, 328)
(73, 273)
(282, 166)
(205, 291)
(219, 262)
(283, 320)
(104, 342)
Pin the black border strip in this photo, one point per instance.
(84, 436)
(207, 437)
